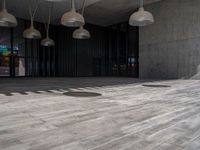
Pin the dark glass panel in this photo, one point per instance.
(5, 51)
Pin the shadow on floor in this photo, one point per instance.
(156, 86)
(10, 86)
(41, 91)
(82, 94)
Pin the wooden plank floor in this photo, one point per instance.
(99, 114)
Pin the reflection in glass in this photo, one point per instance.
(20, 67)
(19, 44)
(5, 51)
(4, 66)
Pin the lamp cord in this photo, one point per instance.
(73, 4)
(141, 3)
(83, 7)
(32, 13)
(36, 8)
(49, 19)
(4, 4)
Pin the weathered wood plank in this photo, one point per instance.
(127, 115)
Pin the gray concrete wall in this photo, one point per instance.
(170, 48)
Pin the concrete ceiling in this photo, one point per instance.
(108, 12)
(99, 12)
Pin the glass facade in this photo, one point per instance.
(5, 51)
(21, 57)
(123, 50)
(112, 51)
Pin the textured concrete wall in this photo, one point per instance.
(170, 48)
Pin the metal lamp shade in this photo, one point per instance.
(47, 42)
(32, 33)
(141, 18)
(81, 33)
(7, 19)
(72, 19)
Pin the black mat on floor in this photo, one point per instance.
(82, 94)
(156, 86)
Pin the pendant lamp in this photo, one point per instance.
(47, 41)
(141, 17)
(81, 33)
(72, 18)
(7, 19)
(31, 32)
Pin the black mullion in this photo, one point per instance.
(11, 63)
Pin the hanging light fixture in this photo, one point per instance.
(47, 41)
(72, 18)
(31, 32)
(7, 19)
(81, 33)
(141, 17)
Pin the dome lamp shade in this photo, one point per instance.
(81, 33)
(141, 17)
(7, 19)
(72, 18)
(47, 42)
(31, 33)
